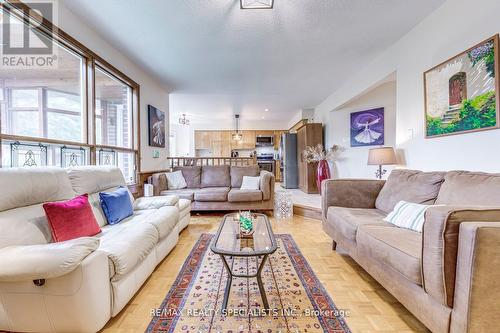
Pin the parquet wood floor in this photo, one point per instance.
(371, 308)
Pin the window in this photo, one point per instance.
(24, 98)
(113, 111)
(47, 115)
(114, 122)
(45, 101)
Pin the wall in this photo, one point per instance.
(302, 114)
(451, 29)
(185, 134)
(152, 92)
(352, 160)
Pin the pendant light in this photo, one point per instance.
(237, 136)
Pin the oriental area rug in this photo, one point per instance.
(298, 301)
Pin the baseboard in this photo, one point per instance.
(307, 211)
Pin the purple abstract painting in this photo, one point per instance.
(367, 128)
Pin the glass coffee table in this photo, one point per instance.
(228, 244)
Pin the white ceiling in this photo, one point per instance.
(243, 61)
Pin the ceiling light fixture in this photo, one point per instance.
(256, 4)
(183, 120)
(237, 136)
(267, 110)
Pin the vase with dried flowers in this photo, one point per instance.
(313, 154)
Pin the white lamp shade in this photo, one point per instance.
(381, 156)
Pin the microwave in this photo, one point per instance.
(264, 140)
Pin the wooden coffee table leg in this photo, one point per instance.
(261, 285)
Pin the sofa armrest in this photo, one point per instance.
(44, 261)
(157, 202)
(159, 182)
(267, 185)
(350, 193)
(477, 296)
(440, 246)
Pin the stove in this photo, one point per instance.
(266, 162)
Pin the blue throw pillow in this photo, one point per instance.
(116, 205)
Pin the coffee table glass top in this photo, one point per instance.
(228, 242)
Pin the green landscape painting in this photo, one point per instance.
(461, 94)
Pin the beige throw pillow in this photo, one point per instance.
(250, 183)
(175, 180)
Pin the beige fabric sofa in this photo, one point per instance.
(448, 275)
(77, 285)
(218, 188)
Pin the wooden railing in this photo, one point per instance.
(173, 162)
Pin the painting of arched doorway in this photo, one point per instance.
(457, 88)
(462, 93)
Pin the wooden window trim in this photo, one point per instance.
(90, 61)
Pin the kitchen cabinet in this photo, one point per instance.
(221, 144)
(277, 139)
(202, 139)
(308, 135)
(218, 143)
(264, 133)
(247, 141)
(277, 172)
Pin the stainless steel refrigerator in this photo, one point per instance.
(288, 159)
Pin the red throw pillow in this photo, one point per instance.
(71, 219)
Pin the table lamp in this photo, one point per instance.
(381, 156)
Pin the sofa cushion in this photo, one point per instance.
(31, 186)
(238, 195)
(441, 238)
(44, 261)
(175, 180)
(238, 172)
(95, 203)
(91, 179)
(409, 185)
(24, 226)
(127, 244)
(215, 176)
(71, 219)
(346, 221)
(187, 194)
(163, 219)
(464, 188)
(184, 207)
(155, 202)
(192, 175)
(116, 205)
(211, 194)
(398, 248)
(250, 183)
(408, 215)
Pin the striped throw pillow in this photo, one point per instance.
(408, 215)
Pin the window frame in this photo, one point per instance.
(90, 61)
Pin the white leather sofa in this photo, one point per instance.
(77, 285)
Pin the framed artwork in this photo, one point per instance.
(461, 94)
(156, 128)
(367, 128)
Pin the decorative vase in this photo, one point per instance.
(322, 173)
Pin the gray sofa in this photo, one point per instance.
(448, 275)
(218, 188)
